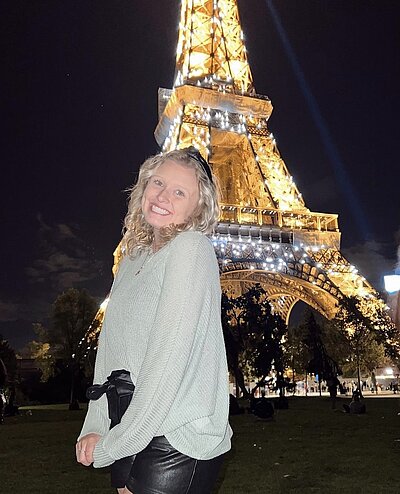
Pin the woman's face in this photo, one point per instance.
(171, 195)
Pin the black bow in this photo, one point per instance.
(119, 389)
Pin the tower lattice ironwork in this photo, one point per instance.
(266, 233)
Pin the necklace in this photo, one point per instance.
(149, 256)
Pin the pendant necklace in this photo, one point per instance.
(149, 256)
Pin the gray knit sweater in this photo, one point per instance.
(163, 324)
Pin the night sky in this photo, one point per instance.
(79, 99)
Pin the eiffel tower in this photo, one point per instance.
(266, 233)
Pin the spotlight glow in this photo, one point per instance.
(392, 283)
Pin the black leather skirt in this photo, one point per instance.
(161, 469)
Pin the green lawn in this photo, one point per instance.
(306, 449)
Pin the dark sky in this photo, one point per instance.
(79, 102)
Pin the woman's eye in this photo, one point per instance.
(157, 181)
(180, 193)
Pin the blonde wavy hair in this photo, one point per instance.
(137, 233)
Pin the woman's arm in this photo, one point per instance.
(96, 420)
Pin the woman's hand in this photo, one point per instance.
(85, 447)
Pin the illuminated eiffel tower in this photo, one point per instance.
(266, 233)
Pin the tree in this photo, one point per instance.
(73, 312)
(335, 342)
(297, 353)
(233, 342)
(254, 338)
(368, 330)
(8, 370)
(40, 351)
(320, 362)
(7, 355)
(3, 375)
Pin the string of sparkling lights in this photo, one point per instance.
(213, 24)
(193, 124)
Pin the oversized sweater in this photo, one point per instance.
(163, 325)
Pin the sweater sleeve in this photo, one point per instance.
(96, 419)
(191, 274)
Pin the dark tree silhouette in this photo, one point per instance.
(73, 312)
(296, 351)
(364, 328)
(3, 374)
(320, 362)
(7, 355)
(3, 380)
(233, 342)
(254, 337)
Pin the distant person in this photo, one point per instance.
(332, 383)
(159, 407)
(374, 387)
(263, 408)
(356, 406)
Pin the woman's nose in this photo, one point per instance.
(163, 195)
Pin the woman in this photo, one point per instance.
(163, 329)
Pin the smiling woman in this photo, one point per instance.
(159, 404)
(182, 174)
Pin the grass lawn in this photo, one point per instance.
(306, 449)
